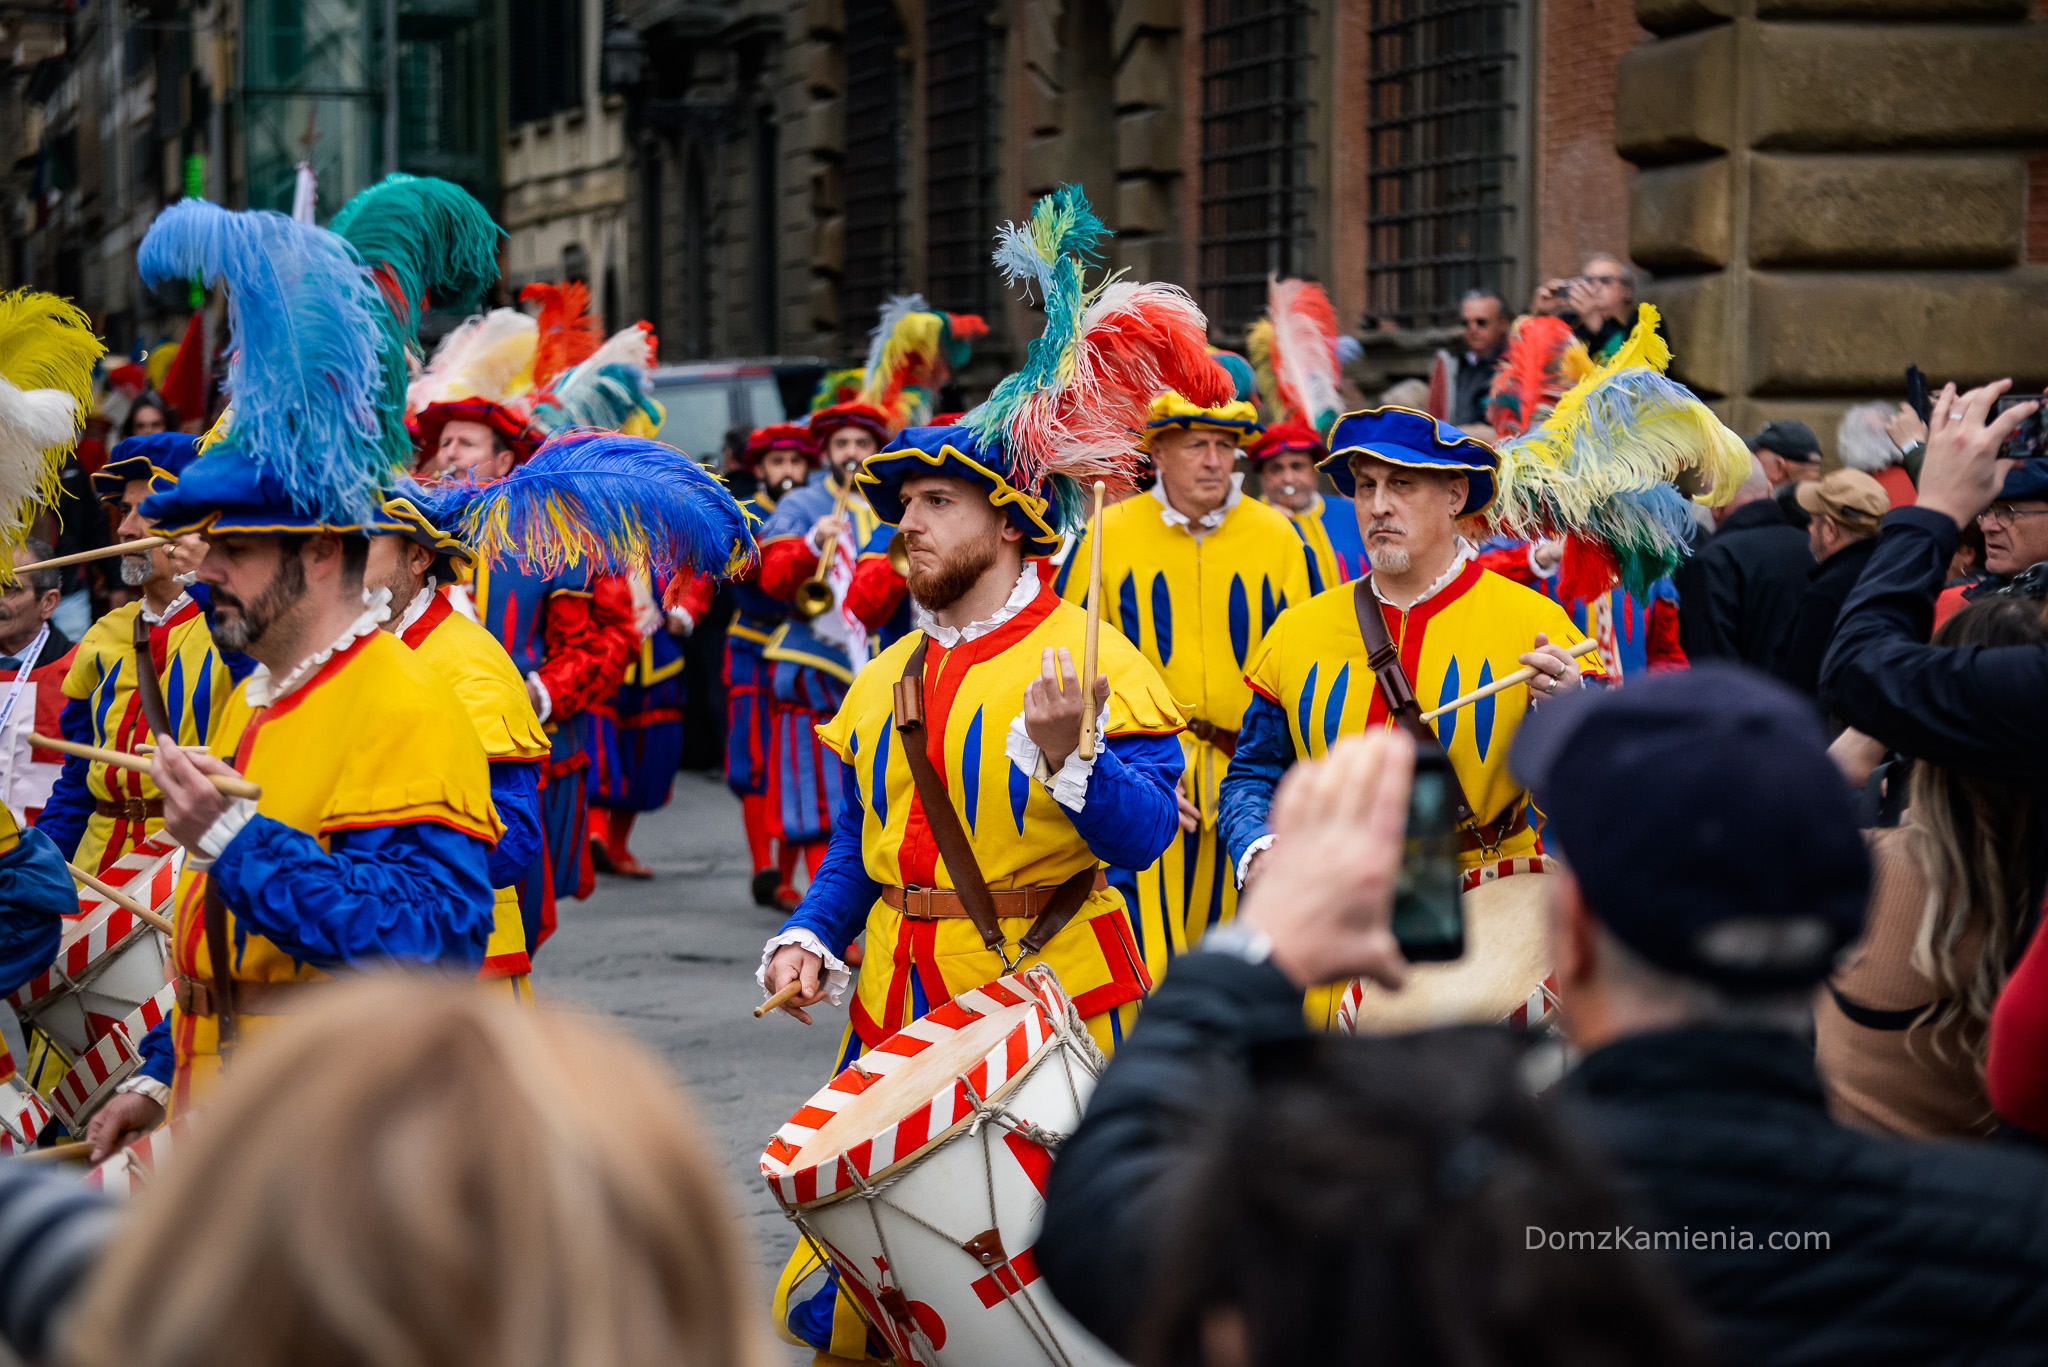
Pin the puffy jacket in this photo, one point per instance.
(1737, 594)
(1813, 625)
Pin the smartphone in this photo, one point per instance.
(2029, 441)
(1916, 393)
(1429, 918)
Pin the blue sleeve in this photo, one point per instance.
(515, 790)
(35, 894)
(64, 816)
(159, 1053)
(1128, 816)
(1265, 752)
(1972, 708)
(835, 906)
(417, 892)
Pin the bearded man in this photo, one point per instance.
(161, 641)
(994, 659)
(1452, 626)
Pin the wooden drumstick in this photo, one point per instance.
(779, 998)
(78, 1150)
(234, 785)
(1088, 650)
(1522, 675)
(103, 553)
(121, 899)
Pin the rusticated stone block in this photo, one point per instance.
(1822, 415)
(1845, 87)
(1695, 310)
(824, 299)
(1894, 11)
(1138, 16)
(1148, 141)
(821, 130)
(1044, 165)
(1673, 98)
(1885, 211)
(823, 17)
(1666, 17)
(1149, 74)
(1145, 204)
(828, 244)
(1834, 334)
(1679, 217)
(1147, 258)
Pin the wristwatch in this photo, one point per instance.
(1239, 942)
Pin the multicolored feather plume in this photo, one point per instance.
(1299, 375)
(569, 333)
(1543, 359)
(837, 387)
(489, 356)
(47, 354)
(1075, 407)
(1600, 469)
(428, 241)
(623, 505)
(317, 378)
(911, 354)
(606, 390)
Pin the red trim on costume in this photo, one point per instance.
(1407, 630)
(438, 611)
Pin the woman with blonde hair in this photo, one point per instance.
(419, 1174)
(1901, 1029)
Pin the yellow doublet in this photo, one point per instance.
(1197, 609)
(1471, 632)
(195, 686)
(374, 738)
(1020, 835)
(475, 664)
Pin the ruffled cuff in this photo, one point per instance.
(837, 973)
(1244, 861)
(140, 1085)
(547, 699)
(225, 828)
(1069, 787)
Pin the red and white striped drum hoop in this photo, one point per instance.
(1503, 976)
(920, 1173)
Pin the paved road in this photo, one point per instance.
(672, 962)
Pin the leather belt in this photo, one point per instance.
(1489, 838)
(196, 997)
(939, 904)
(131, 809)
(1209, 731)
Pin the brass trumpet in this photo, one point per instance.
(899, 555)
(814, 596)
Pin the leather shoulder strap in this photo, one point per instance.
(1385, 661)
(938, 803)
(215, 924)
(148, 688)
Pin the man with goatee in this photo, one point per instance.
(158, 646)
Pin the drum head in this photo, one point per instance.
(1507, 953)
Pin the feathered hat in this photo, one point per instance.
(1544, 358)
(1071, 415)
(1294, 353)
(624, 505)
(482, 372)
(606, 389)
(419, 516)
(1408, 437)
(47, 354)
(1244, 381)
(1599, 471)
(315, 429)
(159, 457)
(912, 351)
(428, 243)
(1174, 411)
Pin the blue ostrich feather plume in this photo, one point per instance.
(624, 505)
(317, 377)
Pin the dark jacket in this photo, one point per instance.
(1934, 1253)
(1813, 624)
(1976, 709)
(1937, 1253)
(1737, 595)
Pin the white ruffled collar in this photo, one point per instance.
(171, 609)
(261, 692)
(1019, 599)
(1458, 562)
(414, 610)
(1207, 522)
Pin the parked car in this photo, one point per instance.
(706, 399)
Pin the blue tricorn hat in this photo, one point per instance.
(958, 452)
(421, 518)
(1402, 436)
(159, 457)
(228, 494)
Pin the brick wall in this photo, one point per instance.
(1581, 185)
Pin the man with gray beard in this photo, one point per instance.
(96, 813)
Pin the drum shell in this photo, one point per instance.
(1503, 976)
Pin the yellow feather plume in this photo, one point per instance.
(47, 354)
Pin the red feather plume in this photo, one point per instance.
(569, 333)
(1528, 377)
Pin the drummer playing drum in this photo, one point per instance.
(996, 730)
(1450, 626)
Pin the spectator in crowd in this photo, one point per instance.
(1737, 593)
(1901, 1028)
(1600, 304)
(1864, 443)
(739, 476)
(1686, 942)
(406, 1173)
(2014, 534)
(1844, 509)
(1789, 451)
(149, 413)
(1243, 1195)
(1406, 394)
(75, 523)
(1460, 379)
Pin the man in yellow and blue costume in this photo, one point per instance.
(97, 813)
(1456, 628)
(1194, 574)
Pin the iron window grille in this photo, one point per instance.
(1440, 117)
(874, 154)
(960, 154)
(1255, 192)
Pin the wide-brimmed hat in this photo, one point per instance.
(1404, 436)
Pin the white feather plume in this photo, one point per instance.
(895, 309)
(32, 421)
(1304, 348)
(479, 359)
